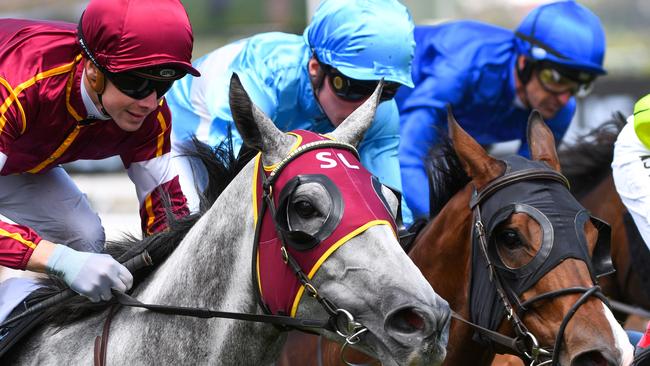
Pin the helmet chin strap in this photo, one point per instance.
(98, 86)
(101, 104)
(317, 84)
(524, 76)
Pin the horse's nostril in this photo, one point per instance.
(593, 358)
(407, 321)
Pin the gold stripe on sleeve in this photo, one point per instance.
(17, 237)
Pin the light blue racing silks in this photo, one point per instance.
(273, 69)
(471, 66)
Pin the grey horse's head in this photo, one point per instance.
(370, 276)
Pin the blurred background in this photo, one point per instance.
(217, 22)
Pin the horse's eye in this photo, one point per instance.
(304, 209)
(509, 238)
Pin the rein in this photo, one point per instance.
(524, 344)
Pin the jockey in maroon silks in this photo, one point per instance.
(86, 91)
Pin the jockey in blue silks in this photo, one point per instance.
(311, 81)
(493, 77)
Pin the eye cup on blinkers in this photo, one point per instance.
(298, 239)
(546, 245)
(601, 259)
(377, 187)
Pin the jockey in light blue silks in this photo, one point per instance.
(310, 82)
(493, 77)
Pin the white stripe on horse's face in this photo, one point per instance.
(620, 337)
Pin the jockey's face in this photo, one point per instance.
(535, 96)
(336, 108)
(128, 113)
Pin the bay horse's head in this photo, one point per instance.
(326, 228)
(531, 268)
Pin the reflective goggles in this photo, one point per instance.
(354, 90)
(556, 82)
(139, 84)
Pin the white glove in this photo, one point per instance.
(89, 274)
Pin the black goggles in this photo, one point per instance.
(354, 90)
(139, 84)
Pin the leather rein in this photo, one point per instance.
(524, 344)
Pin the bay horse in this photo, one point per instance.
(557, 257)
(365, 276)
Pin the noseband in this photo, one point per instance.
(526, 344)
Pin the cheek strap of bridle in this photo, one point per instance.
(522, 333)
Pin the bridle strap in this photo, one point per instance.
(508, 345)
(518, 176)
(319, 144)
(520, 329)
(560, 333)
(523, 307)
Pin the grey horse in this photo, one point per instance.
(370, 276)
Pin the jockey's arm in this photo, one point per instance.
(154, 176)
(423, 116)
(89, 274)
(418, 133)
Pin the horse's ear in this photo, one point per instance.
(256, 129)
(352, 129)
(541, 142)
(475, 160)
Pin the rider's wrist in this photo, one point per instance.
(53, 265)
(38, 259)
(65, 263)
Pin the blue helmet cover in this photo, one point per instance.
(364, 39)
(565, 33)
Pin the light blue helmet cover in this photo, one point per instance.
(364, 39)
(564, 33)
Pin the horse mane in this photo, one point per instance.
(446, 174)
(222, 167)
(588, 161)
(585, 163)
